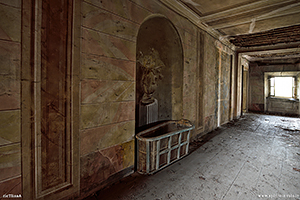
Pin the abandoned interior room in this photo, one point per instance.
(149, 99)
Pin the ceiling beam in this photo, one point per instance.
(289, 50)
(232, 24)
(267, 48)
(271, 57)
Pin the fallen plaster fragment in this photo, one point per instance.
(288, 128)
(298, 170)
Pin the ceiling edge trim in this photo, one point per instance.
(184, 11)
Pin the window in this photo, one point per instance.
(282, 87)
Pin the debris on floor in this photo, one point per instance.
(244, 159)
(286, 128)
(298, 170)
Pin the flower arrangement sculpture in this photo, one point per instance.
(151, 66)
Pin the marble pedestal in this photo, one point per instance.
(148, 113)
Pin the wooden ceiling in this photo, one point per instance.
(249, 25)
(288, 34)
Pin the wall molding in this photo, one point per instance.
(35, 155)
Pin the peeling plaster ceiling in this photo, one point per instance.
(251, 25)
(281, 56)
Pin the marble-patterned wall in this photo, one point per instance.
(256, 82)
(10, 54)
(108, 82)
(211, 83)
(109, 32)
(107, 125)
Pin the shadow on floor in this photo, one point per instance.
(255, 157)
(123, 186)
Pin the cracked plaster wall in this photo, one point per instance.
(108, 80)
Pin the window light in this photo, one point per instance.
(282, 87)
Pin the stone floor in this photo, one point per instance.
(256, 157)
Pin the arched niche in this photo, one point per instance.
(158, 33)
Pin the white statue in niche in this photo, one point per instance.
(151, 66)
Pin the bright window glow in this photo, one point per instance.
(283, 86)
(272, 87)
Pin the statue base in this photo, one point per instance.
(148, 113)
